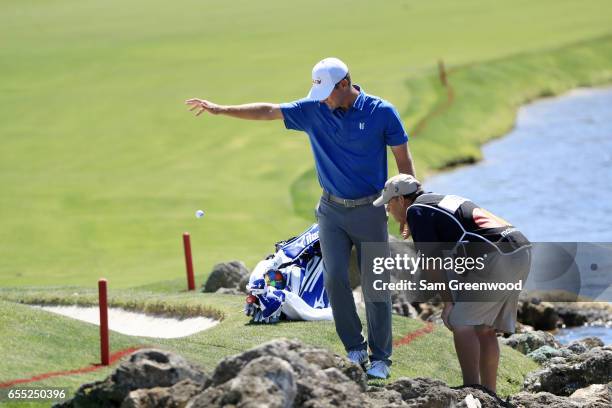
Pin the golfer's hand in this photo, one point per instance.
(404, 231)
(201, 105)
(448, 307)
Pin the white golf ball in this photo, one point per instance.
(199, 213)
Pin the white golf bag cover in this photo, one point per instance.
(303, 296)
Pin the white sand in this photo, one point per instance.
(136, 324)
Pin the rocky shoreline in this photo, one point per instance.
(287, 373)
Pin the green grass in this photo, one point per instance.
(486, 98)
(102, 168)
(34, 341)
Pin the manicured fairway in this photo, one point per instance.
(102, 167)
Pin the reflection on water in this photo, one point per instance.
(552, 175)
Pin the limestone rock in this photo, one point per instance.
(143, 370)
(594, 396)
(176, 396)
(584, 345)
(531, 341)
(226, 275)
(265, 381)
(545, 353)
(229, 291)
(575, 372)
(542, 400)
(540, 315)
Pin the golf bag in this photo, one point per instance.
(289, 283)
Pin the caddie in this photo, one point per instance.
(438, 219)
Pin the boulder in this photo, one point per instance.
(580, 313)
(426, 392)
(545, 353)
(244, 283)
(430, 393)
(145, 369)
(539, 315)
(378, 396)
(572, 317)
(530, 341)
(584, 345)
(477, 395)
(281, 374)
(594, 396)
(320, 377)
(230, 291)
(523, 328)
(265, 381)
(542, 400)
(226, 275)
(575, 372)
(305, 360)
(176, 396)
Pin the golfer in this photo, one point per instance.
(434, 218)
(349, 132)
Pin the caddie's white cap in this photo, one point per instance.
(325, 75)
(402, 184)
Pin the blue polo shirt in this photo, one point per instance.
(349, 147)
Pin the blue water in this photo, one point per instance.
(551, 176)
(566, 336)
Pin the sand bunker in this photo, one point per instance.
(136, 324)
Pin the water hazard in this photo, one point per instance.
(551, 176)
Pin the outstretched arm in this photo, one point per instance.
(252, 111)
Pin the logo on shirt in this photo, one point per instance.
(361, 125)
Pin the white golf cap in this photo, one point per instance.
(325, 75)
(402, 184)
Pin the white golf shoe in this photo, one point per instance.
(379, 369)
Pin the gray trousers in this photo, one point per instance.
(339, 229)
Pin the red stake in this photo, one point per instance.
(103, 304)
(188, 261)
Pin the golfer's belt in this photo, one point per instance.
(350, 203)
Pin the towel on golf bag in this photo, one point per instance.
(290, 282)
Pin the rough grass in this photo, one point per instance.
(35, 341)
